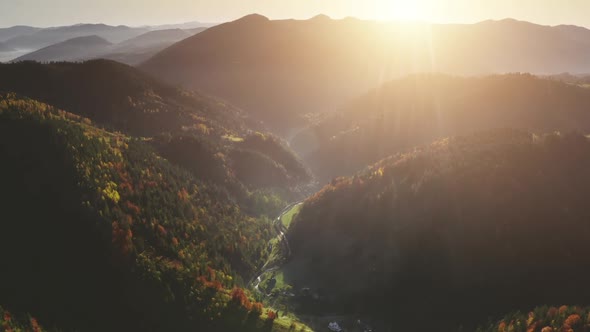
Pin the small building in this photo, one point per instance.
(333, 326)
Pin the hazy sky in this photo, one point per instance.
(139, 12)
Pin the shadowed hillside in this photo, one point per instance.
(463, 229)
(118, 96)
(118, 239)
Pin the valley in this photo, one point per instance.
(295, 175)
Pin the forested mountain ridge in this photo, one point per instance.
(420, 108)
(119, 97)
(118, 239)
(470, 219)
(197, 132)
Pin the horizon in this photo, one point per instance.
(135, 13)
(214, 23)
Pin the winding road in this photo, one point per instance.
(280, 229)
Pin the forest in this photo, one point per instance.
(119, 232)
(275, 173)
(486, 218)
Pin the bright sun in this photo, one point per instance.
(399, 10)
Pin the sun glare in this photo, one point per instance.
(399, 10)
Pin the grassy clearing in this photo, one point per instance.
(289, 323)
(232, 138)
(276, 255)
(288, 217)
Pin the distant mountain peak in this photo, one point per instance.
(89, 25)
(507, 20)
(253, 18)
(80, 41)
(93, 38)
(321, 17)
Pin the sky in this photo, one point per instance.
(44, 13)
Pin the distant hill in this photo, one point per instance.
(8, 33)
(183, 26)
(50, 36)
(5, 48)
(420, 108)
(75, 49)
(580, 79)
(136, 50)
(132, 51)
(316, 65)
(453, 231)
(156, 37)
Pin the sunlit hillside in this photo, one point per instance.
(420, 108)
(303, 66)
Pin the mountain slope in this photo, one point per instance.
(194, 131)
(138, 49)
(75, 49)
(421, 108)
(544, 318)
(194, 31)
(118, 96)
(315, 65)
(5, 48)
(156, 37)
(456, 231)
(120, 239)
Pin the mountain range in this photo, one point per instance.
(131, 51)
(48, 36)
(316, 65)
(15, 31)
(296, 175)
(23, 40)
